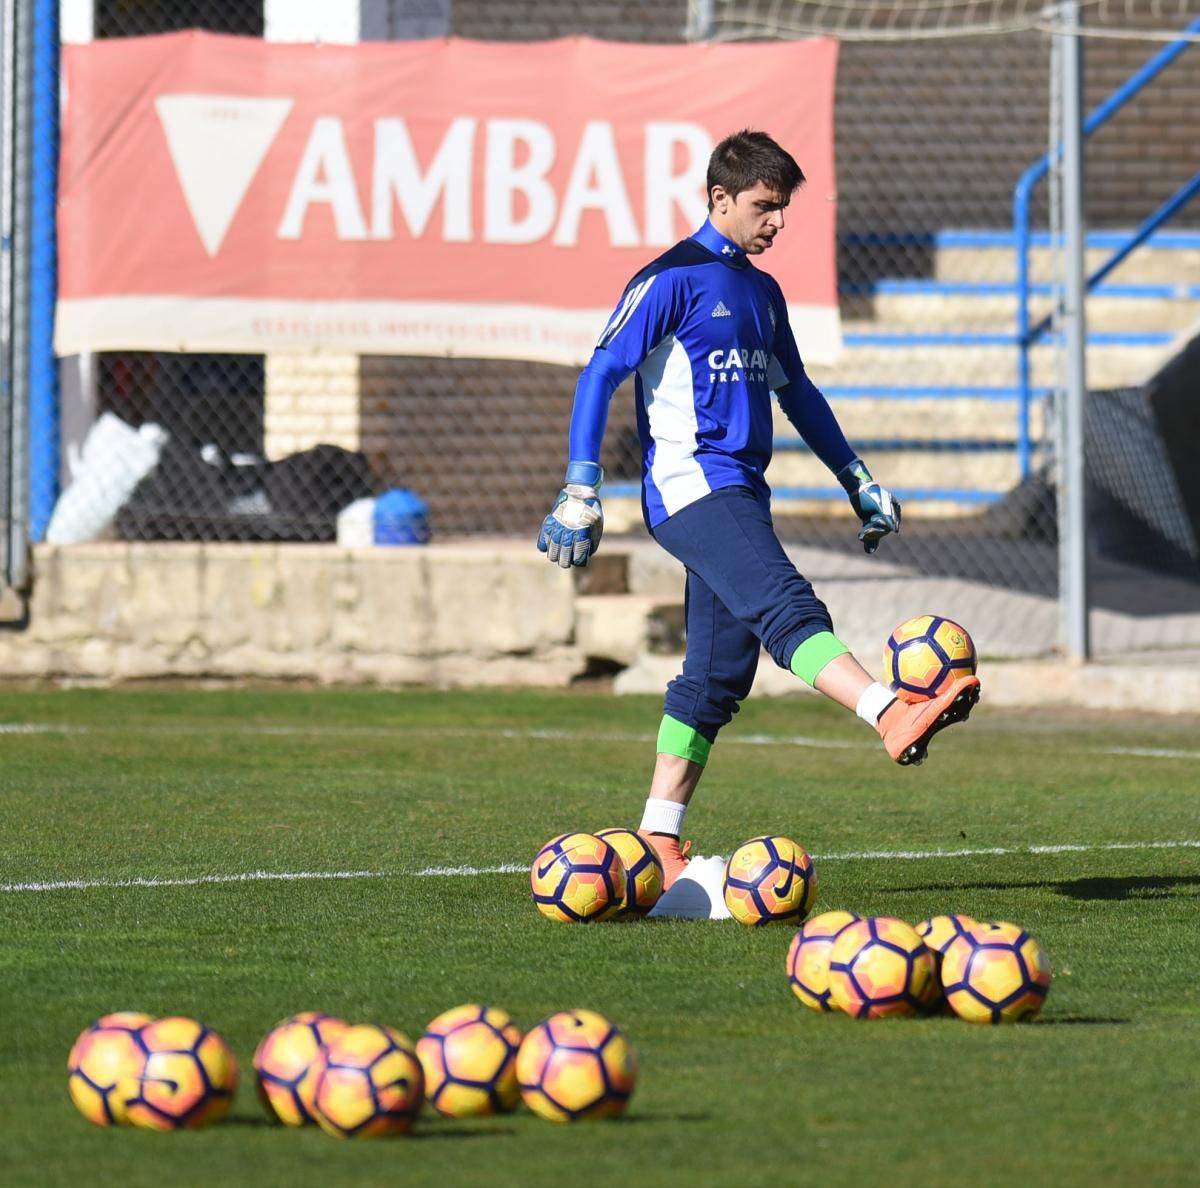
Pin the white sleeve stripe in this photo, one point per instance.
(632, 300)
(626, 307)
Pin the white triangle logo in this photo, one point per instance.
(217, 143)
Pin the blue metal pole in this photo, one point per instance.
(43, 267)
(1021, 222)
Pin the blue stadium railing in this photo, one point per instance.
(1027, 336)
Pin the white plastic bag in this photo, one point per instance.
(114, 459)
(356, 524)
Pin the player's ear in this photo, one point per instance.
(719, 199)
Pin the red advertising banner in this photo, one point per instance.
(418, 198)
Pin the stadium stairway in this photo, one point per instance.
(927, 384)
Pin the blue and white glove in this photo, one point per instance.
(571, 532)
(875, 506)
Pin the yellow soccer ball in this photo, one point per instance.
(938, 931)
(643, 870)
(577, 878)
(808, 958)
(189, 1077)
(576, 1065)
(769, 880)
(469, 1057)
(104, 1066)
(996, 973)
(878, 967)
(283, 1062)
(924, 653)
(367, 1081)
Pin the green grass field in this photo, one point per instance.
(1084, 830)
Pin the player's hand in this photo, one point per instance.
(875, 506)
(571, 533)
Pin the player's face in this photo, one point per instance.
(752, 219)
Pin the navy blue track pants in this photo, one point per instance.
(742, 591)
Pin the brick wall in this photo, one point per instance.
(1150, 148)
(936, 134)
(536, 20)
(479, 438)
(310, 399)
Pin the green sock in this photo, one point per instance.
(814, 653)
(674, 738)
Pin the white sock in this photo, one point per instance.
(874, 700)
(663, 816)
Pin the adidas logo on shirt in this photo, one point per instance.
(720, 311)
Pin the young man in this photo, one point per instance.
(708, 335)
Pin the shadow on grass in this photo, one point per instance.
(1134, 887)
(1131, 887)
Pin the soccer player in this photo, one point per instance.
(707, 334)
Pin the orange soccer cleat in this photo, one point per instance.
(671, 854)
(907, 727)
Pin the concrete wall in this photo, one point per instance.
(478, 613)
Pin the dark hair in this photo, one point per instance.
(746, 158)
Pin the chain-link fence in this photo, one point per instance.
(940, 111)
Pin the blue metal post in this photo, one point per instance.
(1021, 221)
(43, 265)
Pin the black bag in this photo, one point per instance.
(190, 497)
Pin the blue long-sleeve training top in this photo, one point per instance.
(707, 334)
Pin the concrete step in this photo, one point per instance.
(935, 420)
(934, 311)
(905, 470)
(922, 365)
(998, 263)
(618, 628)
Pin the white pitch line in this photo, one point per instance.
(1151, 752)
(1001, 851)
(248, 876)
(427, 872)
(545, 735)
(259, 876)
(39, 728)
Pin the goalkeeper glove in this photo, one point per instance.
(875, 506)
(571, 532)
